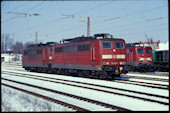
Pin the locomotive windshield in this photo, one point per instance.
(119, 45)
(107, 45)
(148, 50)
(140, 50)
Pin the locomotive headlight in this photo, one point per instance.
(107, 63)
(149, 59)
(104, 63)
(121, 63)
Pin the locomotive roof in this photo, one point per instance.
(95, 37)
(105, 36)
(41, 45)
(134, 45)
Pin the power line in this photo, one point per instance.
(78, 13)
(138, 12)
(129, 24)
(24, 12)
(133, 33)
(53, 21)
(156, 18)
(94, 7)
(18, 7)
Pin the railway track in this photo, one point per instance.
(112, 92)
(146, 78)
(151, 73)
(46, 98)
(68, 95)
(151, 85)
(145, 84)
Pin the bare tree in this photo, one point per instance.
(10, 43)
(2, 43)
(18, 47)
(6, 42)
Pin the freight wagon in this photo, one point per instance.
(161, 60)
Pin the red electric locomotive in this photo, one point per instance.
(99, 56)
(138, 57)
(37, 57)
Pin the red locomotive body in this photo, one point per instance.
(138, 57)
(85, 56)
(37, 57)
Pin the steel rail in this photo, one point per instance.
(145, 99)
(146, 78)
(73, 96)
(47, 98)
(129, 82)
(137, 92)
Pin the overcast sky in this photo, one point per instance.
(132, 20)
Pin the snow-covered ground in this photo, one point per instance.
(13, 100)
(12, 58)
(122, 101)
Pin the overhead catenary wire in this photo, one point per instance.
(56, 20)
(134, 23)
(151, 9)
(50, 22)
(138, 12)
(151, 30)
(24, 12)
(24, 4)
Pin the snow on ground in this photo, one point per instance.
(150, 76)
(13, 100)
(12, 58)
(126, 102)
(122, 101)
(83, 104)
(103, 82)
(101, 96)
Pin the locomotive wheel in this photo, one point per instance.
(39, 70)
(85, 73)
(92, 75)
(66, 72)
(55, 71)
(80, 74)
(103, 75)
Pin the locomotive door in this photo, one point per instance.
(93, 53)
(50, 54)
(131, 55)
(43, 59)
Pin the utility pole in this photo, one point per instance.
(88, 27)
(36, 40)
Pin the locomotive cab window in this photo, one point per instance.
(140, 50)
(50, 49)
(119, 45)
(148, 50)
(107, 45)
